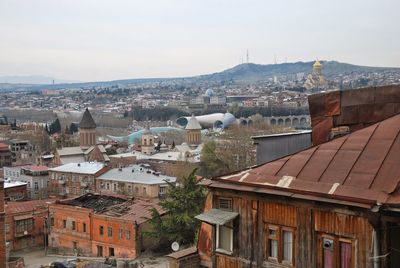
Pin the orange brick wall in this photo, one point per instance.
(123, 247)
(62, 239)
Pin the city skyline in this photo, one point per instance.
(92, 41)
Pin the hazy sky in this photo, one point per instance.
(102, 40)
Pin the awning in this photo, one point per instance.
(217, 216)
(23, 217)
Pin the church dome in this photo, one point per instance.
(209, 92)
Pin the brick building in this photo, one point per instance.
(15, 191)
(36, 177)
(75, 179)
(5, 155)
(2, 227)
(99, 226)
(25, 223)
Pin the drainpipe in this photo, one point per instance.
(376, 258)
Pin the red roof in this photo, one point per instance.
(26, 206)
(3, 146)
(362, 166)
(36, 168)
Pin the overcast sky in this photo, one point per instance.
(103, 40)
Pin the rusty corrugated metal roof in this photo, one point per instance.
(361, 167)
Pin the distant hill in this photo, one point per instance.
(248, 72)
(256, 72)
(33, 80)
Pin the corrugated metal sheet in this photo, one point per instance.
(362, 165)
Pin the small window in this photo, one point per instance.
(51, 221)
(74, 245)
(144, 190)
(120, 232)
(109, 229)
(84, 227)
(128, 235)
(115, 187)
(225, 203)
(73, 225)
(108, 186)
(273, 242)
(64, 224)
(225, 238)
(287, 246)
(101, 230)
(111, 252)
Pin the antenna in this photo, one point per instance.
(247, 56)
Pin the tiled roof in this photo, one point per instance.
(87, 120)
(361, 166)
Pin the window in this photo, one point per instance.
(99, 251)
(111, 252)
(73, 225)
(64, 224)
(7, 227)
(336, 252)
(120, 231)
(128, 235)
(144, 190)
(108, 186)
(163, 190)
(273, 242)
(24, 225)
(101, 230)
(51, 221)
(115, 187)
(225, 203)
(280, 244)
(84, 227)
(74, 245)
(287, 246)
(225, 238)
(109, 231)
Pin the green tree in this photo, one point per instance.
(183, 203)
(212, 162)
(55, 127)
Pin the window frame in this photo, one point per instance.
(280, 244)
(336, 248)
(101, 230)
(217, 232)
(229, 202)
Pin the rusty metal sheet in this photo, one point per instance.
(295, 164)
(332, 103)
(387, 94)
(357, 97)
(321, 131)
(317, 164)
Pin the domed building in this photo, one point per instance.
(87, 130)
(316, 79)
(193, 132)
(209, 93)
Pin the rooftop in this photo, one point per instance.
(87, 120)
(137, 210)
(11, 184)
(360, 167)
(70, 151)
(136, 174)
(82, 168)
(26, 206)
(193, 124)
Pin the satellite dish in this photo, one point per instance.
(175, 246)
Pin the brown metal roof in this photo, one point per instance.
(363, 166)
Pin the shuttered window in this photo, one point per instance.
(225, 203)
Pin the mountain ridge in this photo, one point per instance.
(246, 72)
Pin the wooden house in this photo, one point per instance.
(333, 205)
